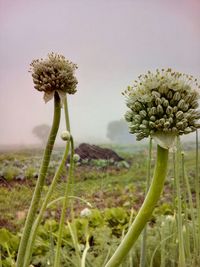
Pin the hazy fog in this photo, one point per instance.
(112, 41)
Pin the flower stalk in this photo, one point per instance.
(40, 183)
(162, 105)
(145, 211)
(55, 77)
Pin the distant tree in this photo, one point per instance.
(118, 132)
(41, 131)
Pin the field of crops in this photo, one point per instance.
(105, 199)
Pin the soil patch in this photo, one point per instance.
(89, 152)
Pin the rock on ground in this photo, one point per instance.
(87, 151)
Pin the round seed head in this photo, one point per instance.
(163, 103)
(55, 73)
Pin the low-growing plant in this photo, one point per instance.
(30, 172)
(10, 173)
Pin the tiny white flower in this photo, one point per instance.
(85, 212)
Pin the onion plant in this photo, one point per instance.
(55, 77)
(162, 105)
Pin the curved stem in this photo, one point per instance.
(40, 182)
(72, 197)
(62, 219)
(87, 247)
(66, 114)
(145, 211)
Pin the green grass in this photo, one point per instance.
(112, 192)
(101, 187)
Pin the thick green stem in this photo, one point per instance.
(40, 182)
(66, 114)
(62, 219)
(145, 211)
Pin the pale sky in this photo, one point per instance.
(111, 41)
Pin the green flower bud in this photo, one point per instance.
(175, 109)
(179, 115)
(194, 95)
(174, 130)
(181, 104)
(185, 123)
(76, 157)
(137, 106)
(197, 114)
(129, 116)
(179, 125)
(170, 94)
(185, 107)
(167, 124)
(152, 118)
(142, 126)
(137, 118)
(153, 111)
(165, 102)
(187, 98)
(155, 94)
(145, 122)
(143, 113)
(194, 104)
(160, 109)
(162, 121)
(152, 124)
(177, 96)
(134, 127)
(140, 136)
(158, 101)
(65, 136)
(170, 120)
(187, 130)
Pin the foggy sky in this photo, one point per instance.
(112, 41)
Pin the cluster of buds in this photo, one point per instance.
(163, 102)
(54, 74)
